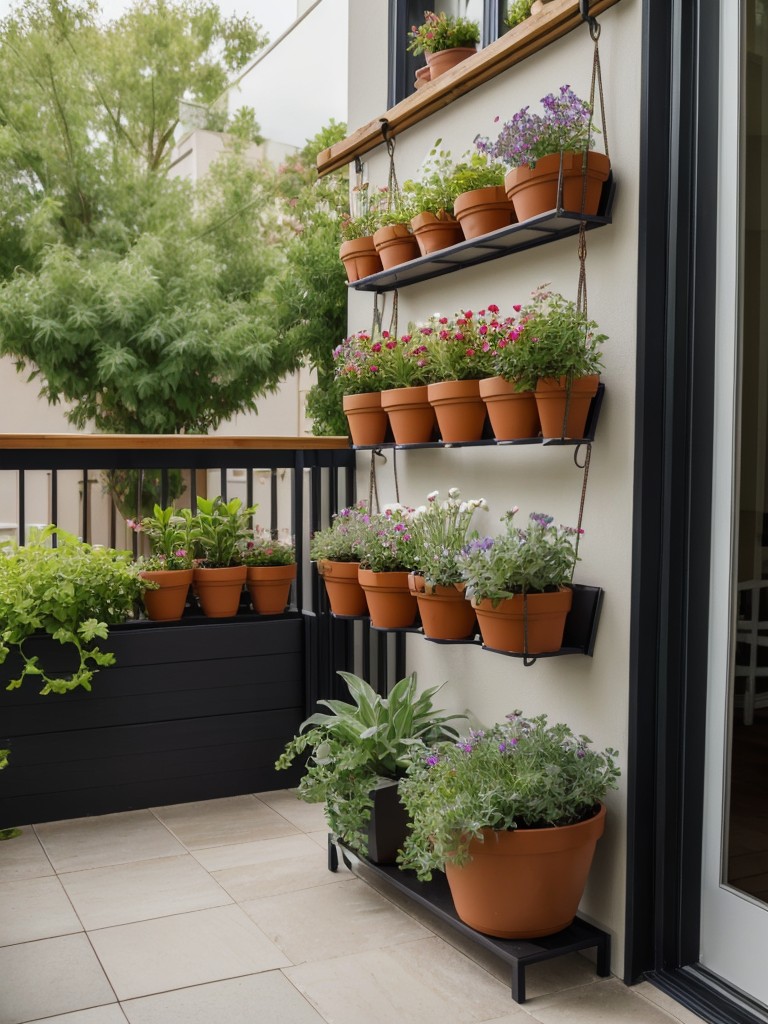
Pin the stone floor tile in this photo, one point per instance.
(307, 817)
(123, 893)
(82, 843)
(35, 908)
(188, 949)
(267, 998)
(98, 1015)
(235, 819)
(23, 857)
(51, 976)
(608, 1001)
(666, 1002)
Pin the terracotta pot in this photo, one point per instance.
(435, 233)
(562, 415)
(395, 244)
(269, 587)
(423, 76)
(533, 190)
(391, 604)
(167, 603)
(525, 883)
(445, 612)
(360, 258)
(218, 590)
(367, 420)
(411, 416)
(483, 210)
(513, 414)
(444, 60)
(459, 409)
(504, 627)
(345, 594)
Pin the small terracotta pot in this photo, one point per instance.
(218, 590)
(538, 619)
(459, 409)
(525, 883)
(445, 612)
(443, 60)
(345, 594)
(360, 258)
(269, 587)
(533, 190)
(411, 416)
(390, 602)
(167, 603)
(395, 244)
(435, 233)
(483, 210)
(552, 401)
(423, 76)
(513, 414)
(367, 420)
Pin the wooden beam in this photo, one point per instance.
(168, 442)
(557, 19)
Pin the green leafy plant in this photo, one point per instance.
(517, 12)
(220, 529)
(73, 592)
(360, 742)
(388, 544)
(436, 185)
(522, 773)
(441, 530)
(261, 548)
(534, 560)
(366, 208)
(441, 32)
(344, 539)
(475, 171)
(169, 532)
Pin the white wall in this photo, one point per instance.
(591, 694)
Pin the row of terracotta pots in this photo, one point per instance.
(530, 624)
(457, 409)
(219, 590)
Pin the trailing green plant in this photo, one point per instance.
(169, 531)
(344, 539)
(388, 544)
(521, 773)
(360, 742)
(441, 530)
(73, 592)
(220, 529)
(261, 548)
(517, 12)
(441, 32)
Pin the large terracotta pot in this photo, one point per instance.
(483, 210)
(459, 409)
(367, 420)
(218, 590)
(525, 883)
(434, 233)
(391, 604)
(345, 594)
(269, 587)
(445, 612)
(167, 603)
(360, 258)
(538, 619)
(561, 414)
(395, 244)
(444, 60)
(411, 416)
(533, 190)
(513, 414)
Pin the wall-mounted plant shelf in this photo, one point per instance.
(527, 234)
(516, 953)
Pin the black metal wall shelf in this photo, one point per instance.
(517, 953)
(527, 234)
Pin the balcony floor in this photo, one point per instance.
(224, 911)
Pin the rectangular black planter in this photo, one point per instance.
(190, 711)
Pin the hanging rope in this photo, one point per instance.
(587, 459)
(373, 490)
(378, 315)
(393, 188)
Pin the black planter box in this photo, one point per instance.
(191, 711)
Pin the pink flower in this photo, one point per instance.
(517, 308)
(376, 346)
(493, 309)
(391, 345)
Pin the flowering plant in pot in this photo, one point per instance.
(219, 529)
(169, 570)
(498, 808)
(386, 558)
(336, 549)
(270, 569)
(519, 583)
(357, 374)
(405, 369)
(445, 40)
(355, 754)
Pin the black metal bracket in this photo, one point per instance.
(591, 20)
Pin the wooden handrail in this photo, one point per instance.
(169, 442)
(557, 19)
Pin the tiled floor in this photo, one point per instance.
(224, 911)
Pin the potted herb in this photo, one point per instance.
(357, 251)
(336, 549)
(270, 570)
(481, 204)
(517, 12)
(357, 752)
(441, 530)
(219, 530)
(386, 558)
(358, 375)
(169, 570)
(513, 814)
(405, 370)
(431, 195)
(519, 583)
(393, 238)
(444, 40)
(544, 151)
